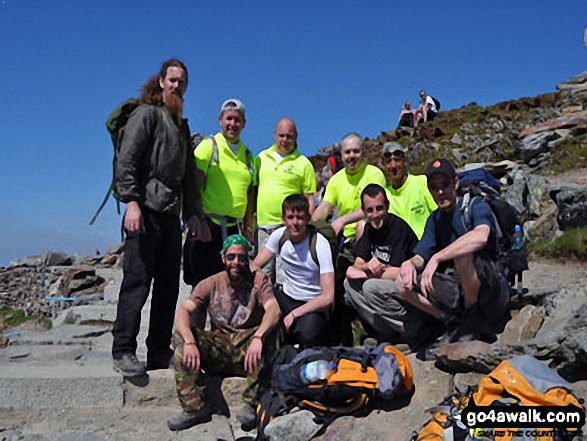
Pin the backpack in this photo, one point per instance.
(478, 184)
(115, 125)
(326, 230)
(436, 103)
(364, 379)
(520, 381)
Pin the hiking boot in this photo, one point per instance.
(185, 420)
(129, 365)
(246, 417)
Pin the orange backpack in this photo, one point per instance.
(519, 381)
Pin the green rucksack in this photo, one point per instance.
(326, 230)
(115, 125)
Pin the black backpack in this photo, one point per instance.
(436, 103)
(479, 184)
(115, 125)
(363, 379)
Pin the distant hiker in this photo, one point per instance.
(407, 118)
(409, 197)
(282, 171)
(386, 243)
(334, 163)
(228, 174)
(308, 289)
(243, 312)
(429, 106)
(156, 179)
(459, 276)
(344, 191)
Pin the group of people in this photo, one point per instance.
(427, 111)
(397, 256)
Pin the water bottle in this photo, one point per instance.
(518, 238)
(316, 371)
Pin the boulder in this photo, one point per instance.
(571, 201)
(295, 426)
(534, 146)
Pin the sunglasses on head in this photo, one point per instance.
(241, 257)
(397, 154)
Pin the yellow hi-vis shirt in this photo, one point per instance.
(227, 180)
(344, 190)
(294, 174)
(412, 202)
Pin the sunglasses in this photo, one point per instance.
(439, 186)
(397, 154)
(241, 257)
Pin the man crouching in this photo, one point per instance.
(243, 311)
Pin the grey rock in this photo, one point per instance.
(80, 258)
(84, 436)
(295, 426)
(472, 356)
(56, 258)
(534, 145)
(116, 249)
(574, 346)
(467, 128)
(580, 78)
(456, 139)
(523, 326)
(571, 201)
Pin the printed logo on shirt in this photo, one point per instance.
(382, 253)
(419, 209)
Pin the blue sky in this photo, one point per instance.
(333, 66)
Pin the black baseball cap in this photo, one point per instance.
(441, 165)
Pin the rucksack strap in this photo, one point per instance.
(103, 204)
(215, 158)
(313, 237)
(466, 215)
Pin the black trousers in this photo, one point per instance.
(152, 256)
(309, 329)
(202, 259)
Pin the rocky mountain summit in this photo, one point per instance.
(58, 383)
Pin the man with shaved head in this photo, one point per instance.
(282, 171)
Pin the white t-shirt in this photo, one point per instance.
(302, 275)
(431, 104)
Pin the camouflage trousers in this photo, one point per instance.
(220, 354)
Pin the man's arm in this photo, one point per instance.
(264, 256)
(322, 211)
(323, 301)
(270, 319)
(138, 133)
(311, 201)
(350, 218)
(362, 269)
(468, 243)
(191, 354)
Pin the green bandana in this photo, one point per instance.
(235, 239)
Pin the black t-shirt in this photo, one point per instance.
(392, 244)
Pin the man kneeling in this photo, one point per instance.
(460, 282)
(387, 241)
(243, 311)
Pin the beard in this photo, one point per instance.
(174, 103)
